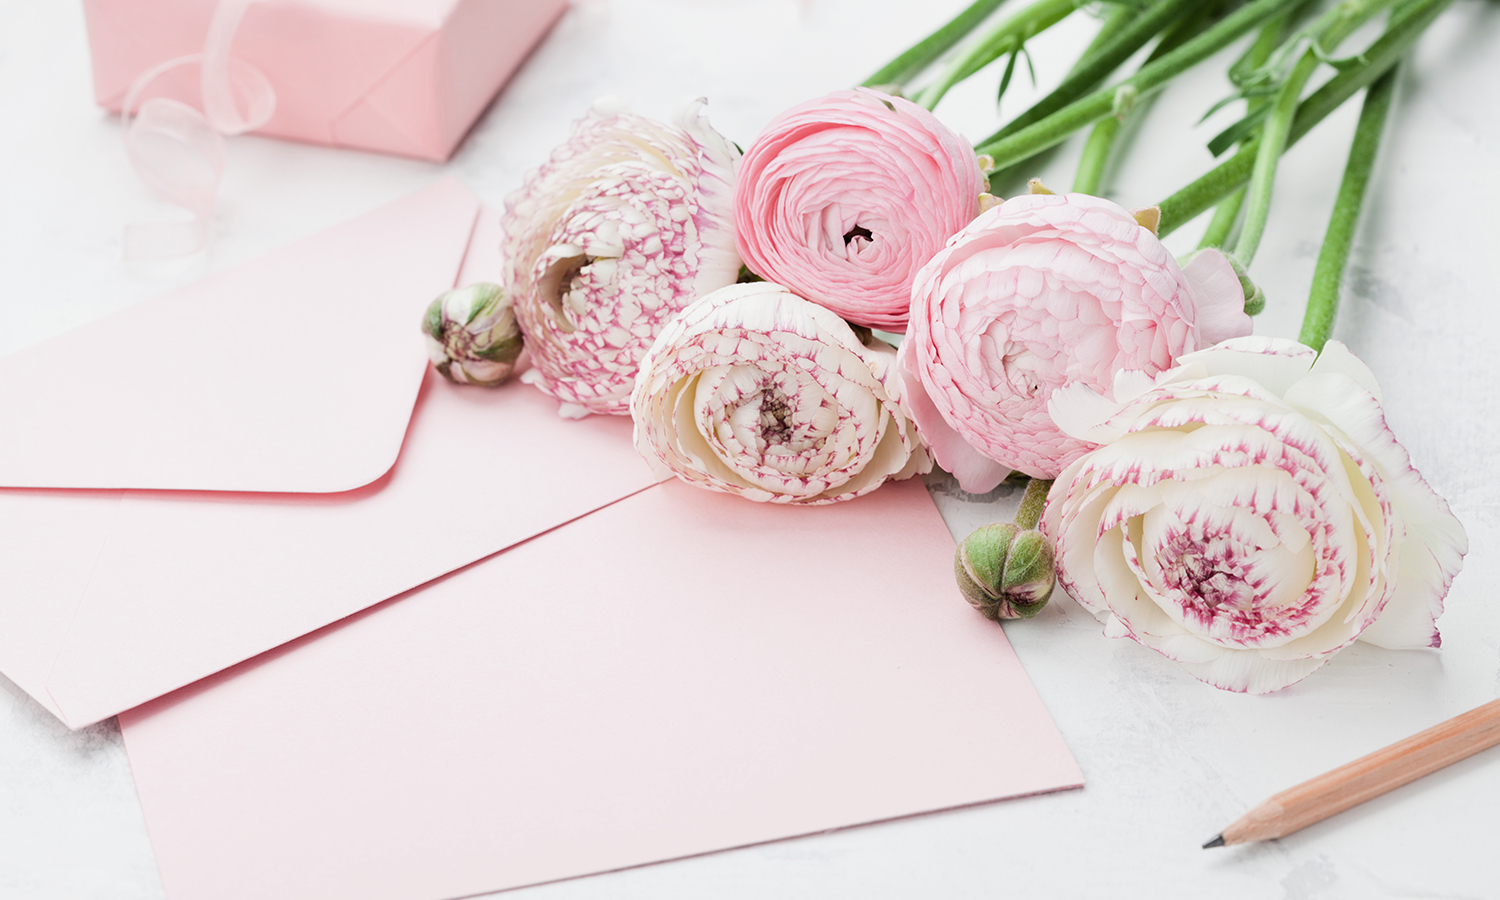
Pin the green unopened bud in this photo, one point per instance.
(1255, 299)
(1005, 572)
(472, 335)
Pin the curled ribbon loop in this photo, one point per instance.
(221, 76)
(177, 150)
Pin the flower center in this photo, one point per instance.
(859, 236)
(561, 280)
(775, 417)
(458, 341)
(1225, 573)
(1212, 574)
(1021, 372)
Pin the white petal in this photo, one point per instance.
(1248, 672)
(1336, 358)
(1276, 363)
(1084, 413)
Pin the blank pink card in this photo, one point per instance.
(677, 673)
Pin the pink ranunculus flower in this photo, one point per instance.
(843, 198)
(627, 223)
(1249, 513)
(1041, 292)
(757, 392)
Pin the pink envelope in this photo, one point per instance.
(397, 76)
(217, 471)
(677, 673)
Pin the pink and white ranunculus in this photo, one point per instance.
(1041, 292)
(843, 198)
(755, 391)
(627, 223)
(1249, 513)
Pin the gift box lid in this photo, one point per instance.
(406, 77)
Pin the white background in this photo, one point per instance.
(1168, 760)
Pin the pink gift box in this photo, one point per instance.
(406, 77)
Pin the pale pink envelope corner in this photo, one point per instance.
(407, 77)
(214, 472)
(678, 673)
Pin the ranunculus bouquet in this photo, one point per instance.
(1235, 503)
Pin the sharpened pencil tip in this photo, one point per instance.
(1218, 841)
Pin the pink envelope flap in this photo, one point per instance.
(295, 372)
(113, 597)
(188, 583)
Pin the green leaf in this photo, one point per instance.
(1010, 69)
(1238, 131)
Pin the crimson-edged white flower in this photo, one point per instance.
(755, 391)
(627, 223)
(1249, 514)
(1038, 293)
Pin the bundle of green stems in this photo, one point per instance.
(1290, 42)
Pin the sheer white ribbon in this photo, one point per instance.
(177, 150)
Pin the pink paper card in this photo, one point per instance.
(678, 673)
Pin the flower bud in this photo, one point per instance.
(1005, 572)
(472, 336)
(1255, 299)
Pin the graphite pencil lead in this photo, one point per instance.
(1218, 841)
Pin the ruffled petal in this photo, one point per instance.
(1219, 296)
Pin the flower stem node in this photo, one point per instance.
(1124, 101)
(472, 335)
(1005, 572)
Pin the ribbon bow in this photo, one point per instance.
(177, 150)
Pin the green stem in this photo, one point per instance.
(1323, 301)
(1096, 155)
(912, 63)
(1056, 127)
(1406, 25)
(1329, 31)
(1032, 503)
(1223, 220)
(1119, 17)
(1096, 65)
(1272, 144)
(1270, 37)
(1229, 210)
(1004, 38)
(1102, 139)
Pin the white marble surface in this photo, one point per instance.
(1168, 760)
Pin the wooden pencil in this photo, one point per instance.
(1367, 777)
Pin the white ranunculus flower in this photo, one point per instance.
(1250, 514)
(626, 224)
(755, 391)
